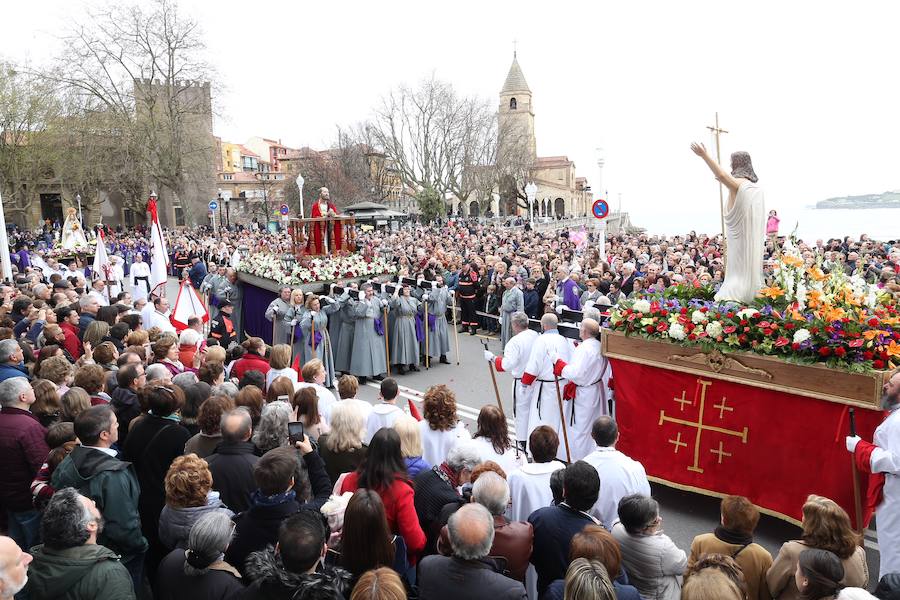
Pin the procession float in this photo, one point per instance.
(756, 399)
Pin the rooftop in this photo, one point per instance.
(515, 79)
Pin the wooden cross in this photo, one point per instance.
(717, 131)
(515, 46)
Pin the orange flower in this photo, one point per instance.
(893, 349)
(792, 261)
(871, 334)
(814, 299)
(816, 273)
(772, 292)
(832, 313)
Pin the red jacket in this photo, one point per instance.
(250, 362)
(22, 452)
(72, 343)
(400, 512)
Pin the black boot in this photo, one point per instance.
(401, 369)
(362, 380)
(473, 330)
(414, 368)
(444, 359)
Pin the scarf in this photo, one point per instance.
(257, 498)
(731, 537)
(446, 473)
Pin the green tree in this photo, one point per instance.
(431, 204)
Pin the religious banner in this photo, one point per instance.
(704, 434)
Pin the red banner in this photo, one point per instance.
(716, 437)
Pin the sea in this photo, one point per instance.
(810, 223)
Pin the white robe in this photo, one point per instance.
(72, 238)
(116, 275)
(745, 232)
(383, 415)
(139, 287)
(514, 360)
(886, 459)
(620, 476)
(544, 409)
(154, 318)
(436, 444)
(586, 370)
(99, 296)
(510, 460)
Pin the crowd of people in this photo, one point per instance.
(145, 462)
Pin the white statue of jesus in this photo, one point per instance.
(72, 234)
(745, 227)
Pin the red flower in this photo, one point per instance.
(703, 309)
(765, 324)
(664, 313)
(684, 311)
(824, 351)
(742, 338)
(650, 329)
(873, 322)
(788, 325)
(840, 352)
(868, 355)
(730, 315)
(782, 341)
(814, 330)
(729, 329)
(795, 347)
(878, 364)
(744, 321)
(856, 343)
(692, 337)
(662, 327)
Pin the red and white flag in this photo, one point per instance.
(188, 304)
(159, 257)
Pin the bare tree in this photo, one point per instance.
(141, 68)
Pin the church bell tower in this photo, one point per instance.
(516, 112)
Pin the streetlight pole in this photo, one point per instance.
(531, 192)
(80, 218)
(300, 187)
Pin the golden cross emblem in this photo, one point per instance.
(700, 426)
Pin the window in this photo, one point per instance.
(179, 216)
(512, 104)
(227, 177)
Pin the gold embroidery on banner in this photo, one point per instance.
(717, 362)
(700, 426)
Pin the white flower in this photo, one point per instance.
(698, 316)
(641, 306)
(714, 329)
(801, 335)
(747, 313)
(676, 331)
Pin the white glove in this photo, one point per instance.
(489, 356)
(589, 304)
(294, 323)
(312, 314)
(384, 303)
(332, 287)
(425, 297)
(560, 308)
(852, 441)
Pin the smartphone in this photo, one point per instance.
(295, 431)
(284, 398)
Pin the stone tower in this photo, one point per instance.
(516, 113)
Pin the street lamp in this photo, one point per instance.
(531, 192)
(288, 261)
(78, 200)
(300, 187)
(244, 251)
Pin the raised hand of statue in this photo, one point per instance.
(698, 149)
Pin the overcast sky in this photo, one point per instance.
(808, 88)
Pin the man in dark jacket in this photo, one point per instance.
(293, 571)
(555, 526)
(197, 273)
(283, 486)
(22, 452)
(436, 496)
(93, 469)
(71, 565)
(89, 307)
(130, 379)
(233, 461)
(469, 573)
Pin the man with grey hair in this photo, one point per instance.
(22, 452)
(158, 374)
(513, 302)
(233, 461)
(226, 388)
(12, 360)
(70, 564)
(516, 353)
(512, 539)
(13, 568)
(437, 490)
(87, 314)
(469, 573)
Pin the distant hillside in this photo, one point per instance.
(885, 200)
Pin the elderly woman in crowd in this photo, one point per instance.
(59, 371)
(826, 526)
(652, 560)
(199, 570)
(165, 352)
(204, 443)
(272, 431)
(342, 448)
(189, 496)
(441, 428)
(280, 364)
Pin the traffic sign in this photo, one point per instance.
(285, 210)
(600, 208)
(213, 205)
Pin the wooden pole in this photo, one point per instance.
(455, 329)
(494, 380)
(387, 350)
(857, 496)
(427, 360)
(274, 323)
(562, 418)
(312, 335)
(717, 131)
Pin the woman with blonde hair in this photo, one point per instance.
(710, 584)
(189, 496)
(588, 580)
(46, 405)
(826, 526)
(59, 371)
(96, 332)
(440, 429)
(280, 363)
(411, 445)
(379, 584)
(342, 449)
(137, 338)
(315, 375)
(74, 402)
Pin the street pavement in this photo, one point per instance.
(685, 514)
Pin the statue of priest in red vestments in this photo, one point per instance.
(324, 235)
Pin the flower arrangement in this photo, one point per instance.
(309, 270)
(805, 315)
